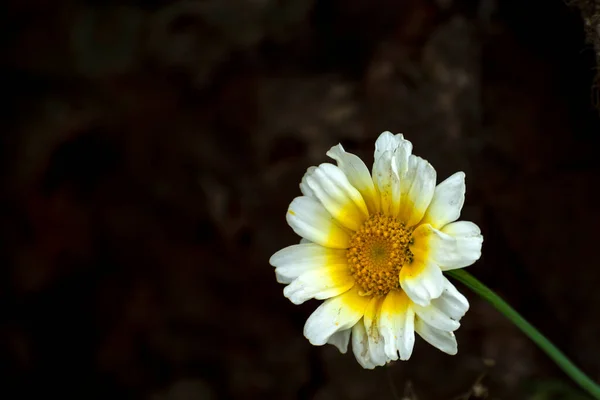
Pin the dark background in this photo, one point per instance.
(149, 151)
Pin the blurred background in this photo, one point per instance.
(150, 149)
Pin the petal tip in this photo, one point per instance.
(335, 151)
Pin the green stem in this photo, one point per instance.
(546, 345)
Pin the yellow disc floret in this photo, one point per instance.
(377, 252)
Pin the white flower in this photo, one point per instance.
(374, 247)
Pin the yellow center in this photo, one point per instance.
(377, 252)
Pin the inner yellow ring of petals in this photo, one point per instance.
(377, 252)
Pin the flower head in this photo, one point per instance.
(374, 247)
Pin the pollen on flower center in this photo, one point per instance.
(377, 252)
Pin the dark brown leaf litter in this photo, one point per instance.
(590, 13)
(150, 150)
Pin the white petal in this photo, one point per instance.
(293, 261)
(376, 342)
(390, 142)
(309, 219)
(447, 201)
(422, 280)
(321, 283)
(340, 340)
(282, 278)
(385, 142)
(343, 201)
(334, 315)
(468, 243)
(447, 251)
(360, 346)
(417, 186)
(451, 302)
(402, 155)
(443, 340)
(387, 182)
(358, 175)
(436, 317)
(396, 324)
(391, 163)
(304, 189)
